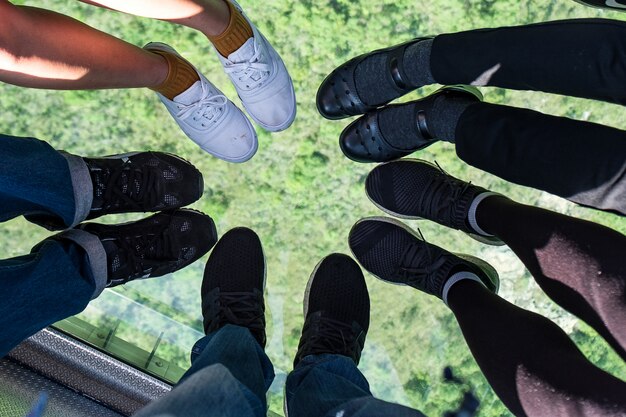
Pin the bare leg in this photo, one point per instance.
(211, 17)
(43, 49)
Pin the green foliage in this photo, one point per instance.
(300, 194)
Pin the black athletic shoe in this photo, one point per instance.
(619, 5)
(233, 284)
(141, 182)
(367, 139)
(416, 189)
(152, 247)
(336, 310)
(338, 97)
(394, 253)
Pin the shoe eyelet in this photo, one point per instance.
(368, 127)
(347, 92)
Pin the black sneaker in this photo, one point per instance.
(619, 5)
(141, 182)
(394, 253)
(337, 96)
(416, 189)
(336, 310)
(375, 137)
(156, 246)
(233, 284)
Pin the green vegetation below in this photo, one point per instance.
(301, 195)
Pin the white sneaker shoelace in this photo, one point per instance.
(208, 107)
(249, 73)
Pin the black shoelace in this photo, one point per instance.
(418, 265)
(243, 309)
(146, 252)
(440, 197)
(326, 335)
(142, 197)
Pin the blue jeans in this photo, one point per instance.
(230, 375)
(63, 273)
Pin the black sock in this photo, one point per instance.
(398, 123)
(445, 115)
(417, 63)
(372, 81)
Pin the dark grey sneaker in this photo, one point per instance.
(394, 253)
(152, 247)
(233, 284)
(416, 189)
(336, 310)
(142, 182)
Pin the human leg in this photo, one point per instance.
(229, 376)
(577, 263)
(581, 161)
(253, 65)
(59, 190)
(325, 379)
(531, 363)
(580, 57)
(63, 273)
(37, 180)
(210, 17)
(230, 372)
(43, 49)
(55, 281)
(542, 57)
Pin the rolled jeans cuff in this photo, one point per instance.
(82, 185)
(95, 253)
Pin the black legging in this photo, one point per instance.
(529, 361)
(583, 162)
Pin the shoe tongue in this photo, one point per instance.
(244, 53)
(190, 95)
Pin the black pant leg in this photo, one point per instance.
(582, 58)
(532, 365)
(577, 263)
(581, 161)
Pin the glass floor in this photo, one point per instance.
(300, 194)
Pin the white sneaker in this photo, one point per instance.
(262, 81)
(211, 120)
